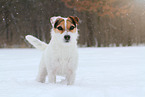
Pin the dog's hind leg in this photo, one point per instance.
(42, 73)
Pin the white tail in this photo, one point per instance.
(36, 42)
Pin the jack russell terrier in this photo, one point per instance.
(60, 56)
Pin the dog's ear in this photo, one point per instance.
(53, 19)
(74, 19)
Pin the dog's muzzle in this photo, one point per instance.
(67, 38)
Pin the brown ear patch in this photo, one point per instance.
(74, 20)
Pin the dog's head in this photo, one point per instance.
(65, 29)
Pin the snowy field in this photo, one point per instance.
(102, 72)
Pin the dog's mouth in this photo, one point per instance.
(66, 41)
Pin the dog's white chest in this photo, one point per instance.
(62, 60)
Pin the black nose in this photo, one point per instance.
(67, 37)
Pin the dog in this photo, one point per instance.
(60, 56)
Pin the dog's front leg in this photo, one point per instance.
(52, 77)
(70, 77)
(42, 73)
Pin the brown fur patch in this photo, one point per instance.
(61, 23)
(70, 26)
(76, 19)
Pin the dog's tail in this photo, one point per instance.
(36, 42)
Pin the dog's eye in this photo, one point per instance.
(59, 28)
(71, 27)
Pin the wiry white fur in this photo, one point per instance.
(36, 42)
(59, 58)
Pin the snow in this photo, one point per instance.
(102, 72)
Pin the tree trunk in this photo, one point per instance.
(90, 26)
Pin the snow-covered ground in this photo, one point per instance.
(102, 72)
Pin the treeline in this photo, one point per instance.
(21, 17)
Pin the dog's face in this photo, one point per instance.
(65, 29)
